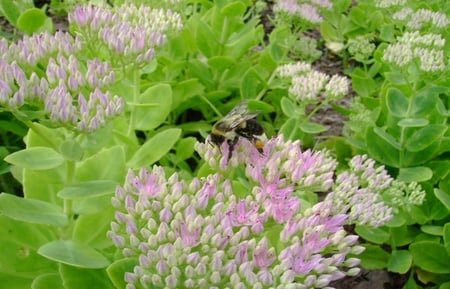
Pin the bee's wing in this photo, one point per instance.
(240, 114)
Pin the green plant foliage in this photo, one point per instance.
(56, 213)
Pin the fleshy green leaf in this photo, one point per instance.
(397, 102)
(49, 280)
(431, 256)
(32, 20)
(443, 197)
(374, 258)
(185, 148)
(36, 158)
(116, 271)
(91, 229)
(432, 230)
(374, 235)
(235, 8)
(154, 107)
(32, 211)
(415, 174)
(413, 122)
(73, 253)
(71, 150)
(10, 10)
(80, 278)
(312, 128)
(88, 189)
(155, 148)
(400, 261)
(107, 164)
(383, 147)
(425, 136)
(447, 237)
(250, 84)
(288, 107)
(221, 62)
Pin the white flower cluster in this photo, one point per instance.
(389, 3)
(421, 17)
(307, 84)
(426, 49)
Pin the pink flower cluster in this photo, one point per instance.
(242, 227)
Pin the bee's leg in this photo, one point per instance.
(231, 144)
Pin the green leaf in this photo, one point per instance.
(288, 107)
(91, 229)
(36, 158)
(446, 237)
(221, 62)
(184, 90)
(71, 150)
(382, 147)
(415, 174)
(250, 84)
(289, 129)
(10, 10)
(387, 32)
(107, 164)
(443, 197)
(413, 122)
(185, 147)
(207, 41)
(23, 234)
(48, 280)
(235, 8)
(73, 253)
(400, 261)
(88, 189)
(312, 128)
(155, 148)
(396, 78)
(397, 103)
(374, 258)
(374, 235)
(32, 20)
(32, 211)
(363, 84)
(431, 256)
(155, 104)
(80, 278)
(432, 230)
(426, 136)
(329, 33)
(116, 271)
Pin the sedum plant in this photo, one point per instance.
(245, 223)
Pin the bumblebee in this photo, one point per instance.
(239, 122)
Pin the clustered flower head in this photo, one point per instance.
(212, 232)
(295, 10)
(127, 31)
(307, 84)
(360, 48)
(389, 3)
(46, 72)
(421, 18)
(426, 49)
(69, 92)
(357, 193)
(402, 196)
(30, 51)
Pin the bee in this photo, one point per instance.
(239, 122)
